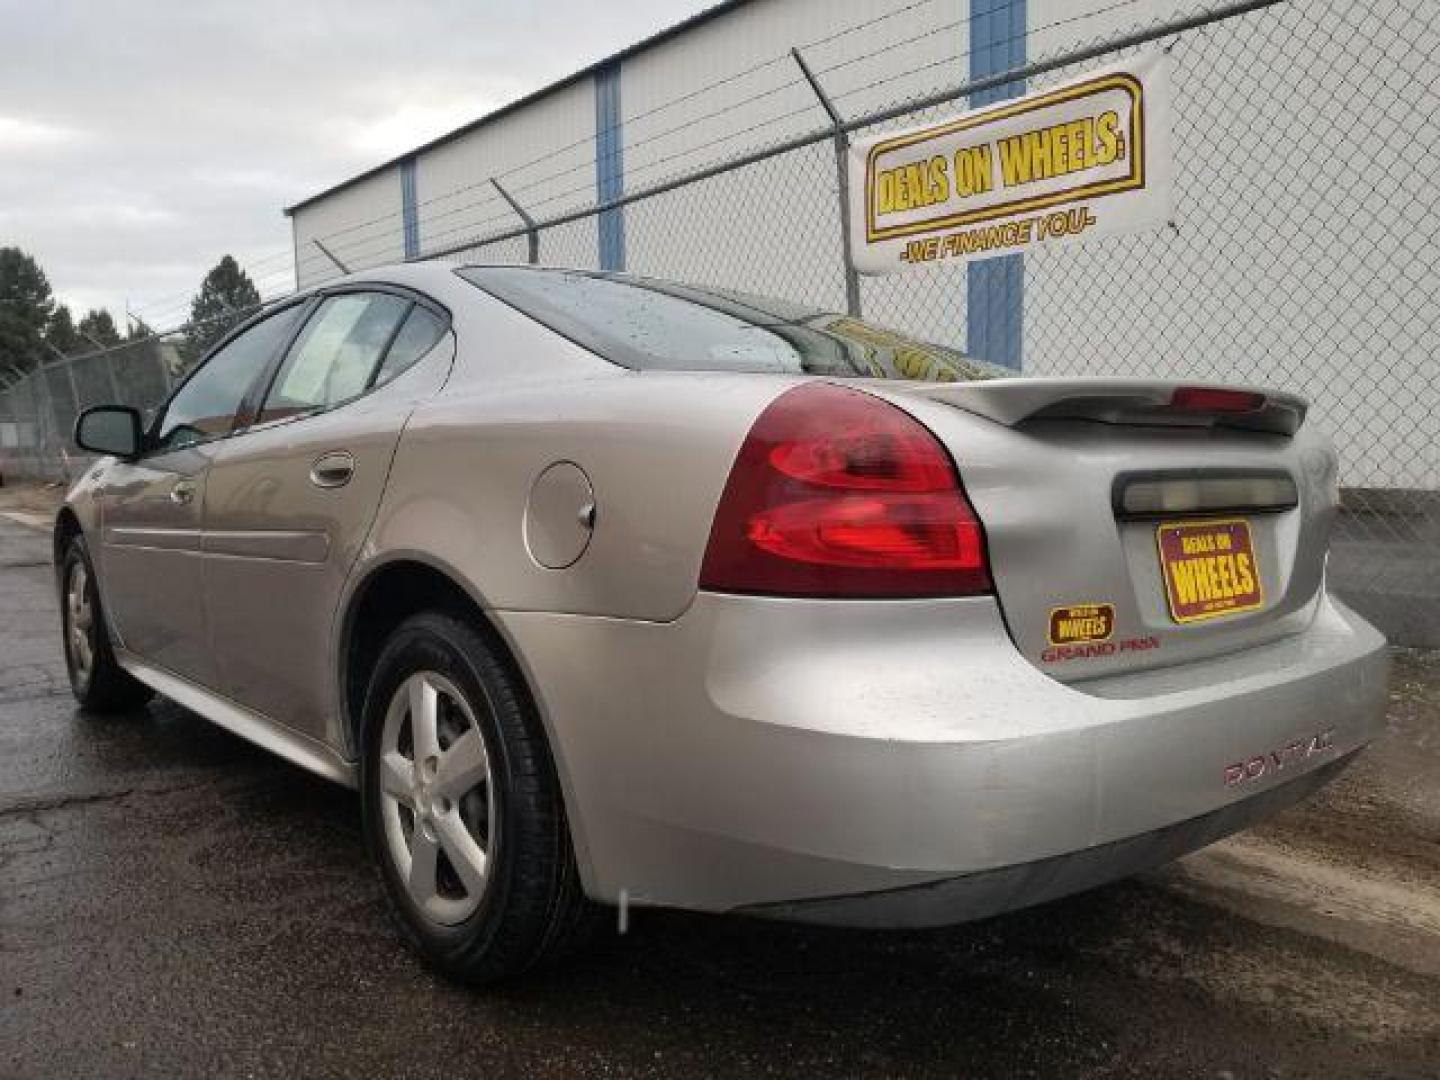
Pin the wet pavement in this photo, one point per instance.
(173, 901)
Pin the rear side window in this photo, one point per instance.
(206, 405)
(419, 333)
(335, 355)
(654, 325)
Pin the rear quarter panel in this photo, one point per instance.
(657, 449)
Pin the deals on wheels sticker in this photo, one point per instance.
(1081, 622)
(1209, 569)
(1086, 158)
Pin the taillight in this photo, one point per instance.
(1211, 400)
(836, 493)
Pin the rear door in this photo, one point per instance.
(292, 495)
(152, 508)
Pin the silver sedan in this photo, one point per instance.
(609, 592)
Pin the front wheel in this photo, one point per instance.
(462, 805)
(98, 681)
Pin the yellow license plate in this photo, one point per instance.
(1209, 569)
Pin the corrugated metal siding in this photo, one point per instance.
(543, 154)
(727, 85)
(673, 119)
(720, 231)
(362, 225)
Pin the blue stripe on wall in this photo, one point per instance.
(609, 166)
(995, 288)
(409, 211)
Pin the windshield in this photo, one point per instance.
(652, 325)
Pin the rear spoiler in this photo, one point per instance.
(1122, 401)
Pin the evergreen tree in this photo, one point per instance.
(62, 336)
(25, 308)
(227, 296)
(98, 329)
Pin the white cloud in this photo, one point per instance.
(17, 133)
(140, 142)
(415, 122)
(117, 216)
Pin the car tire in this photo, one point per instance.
(98, 681)
(430, 803)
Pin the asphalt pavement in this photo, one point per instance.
(176, 902)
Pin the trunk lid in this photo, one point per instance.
(1131, 527)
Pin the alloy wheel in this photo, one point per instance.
(437, 797)
(80, 624)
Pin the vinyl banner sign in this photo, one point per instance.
(1088, 158)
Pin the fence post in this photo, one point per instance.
(60, 437)
(166, 377)
(842, 169)
(63, 435)
(45, 414)
(329, 255)
(532, 233)
(75, 404)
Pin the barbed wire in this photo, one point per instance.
(362, 248)
(589, 139)
(643, 171)
(394, 218)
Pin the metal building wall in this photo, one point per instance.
(715, 90)
(681, 113)
(727, 86)
(362, 224)
(543, 155)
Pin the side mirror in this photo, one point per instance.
(110, 429)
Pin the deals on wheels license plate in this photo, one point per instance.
(1209, 569)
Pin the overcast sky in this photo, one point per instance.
(140, 141)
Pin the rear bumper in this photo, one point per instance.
(797, 757)
(989, 892)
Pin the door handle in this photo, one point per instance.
(332, 470)
(183, 493)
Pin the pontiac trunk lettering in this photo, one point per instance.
(1280, 758)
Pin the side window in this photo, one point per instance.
(417, 337)
(205, 406)
(335, 355)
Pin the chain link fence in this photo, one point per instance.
(1307, 212)
(38, 409)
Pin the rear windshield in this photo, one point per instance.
(654, 325)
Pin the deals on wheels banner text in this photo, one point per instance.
(1086, 158)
